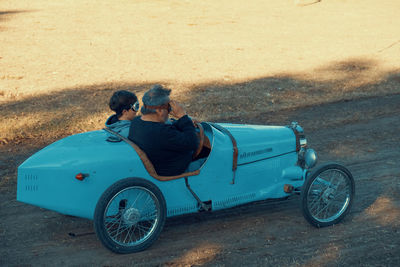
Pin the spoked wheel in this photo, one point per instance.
(130, 215)
(327, 195)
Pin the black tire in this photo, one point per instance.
(130, 215)
(327, 195)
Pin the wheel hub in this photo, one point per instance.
(131, 216)
(328, 195)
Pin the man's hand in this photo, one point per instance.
(177, 109)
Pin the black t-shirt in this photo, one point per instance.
(168, 146)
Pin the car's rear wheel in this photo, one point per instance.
(130, 215)
(327, 195)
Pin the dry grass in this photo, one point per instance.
(61, 61)
(51, 116)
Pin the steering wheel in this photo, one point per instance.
(201, 138)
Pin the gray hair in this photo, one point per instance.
(156, 96)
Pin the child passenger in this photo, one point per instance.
(125, 104)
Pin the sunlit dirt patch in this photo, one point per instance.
(384, 211)
(323, 256)
(341, 150)
(202, 254)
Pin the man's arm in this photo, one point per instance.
(181, 136)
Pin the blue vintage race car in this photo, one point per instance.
(103, 176)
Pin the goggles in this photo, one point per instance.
(135, 107)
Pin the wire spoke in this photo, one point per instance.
(340, 194)
(144, 228)
(130, 233)
(321, 210)
(316, 203)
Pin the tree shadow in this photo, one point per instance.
(8, 14)
(253, 100)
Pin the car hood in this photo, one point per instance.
(258, 142)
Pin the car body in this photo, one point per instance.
(81, 175)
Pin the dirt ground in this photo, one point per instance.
(333, 66)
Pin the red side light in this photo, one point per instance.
(81, 176)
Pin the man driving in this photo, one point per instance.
(168, 146)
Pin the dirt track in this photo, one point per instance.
(333, 66)
(267, 233)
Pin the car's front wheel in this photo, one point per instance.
(130, 215)
(327, 195)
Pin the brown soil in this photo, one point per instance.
(266, 233)
(333, 66)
